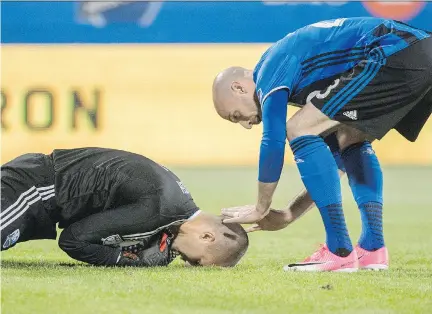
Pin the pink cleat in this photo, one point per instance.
(373, 260)
(324, 260)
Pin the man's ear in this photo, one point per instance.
(207, 237)
(237, 87)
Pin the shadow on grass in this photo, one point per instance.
(21, 264)
(175, 267)
(46, 264)
(29, 264)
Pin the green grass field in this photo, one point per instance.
(37, 277)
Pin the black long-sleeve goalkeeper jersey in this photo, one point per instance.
(107, 199)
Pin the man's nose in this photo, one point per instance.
(246, 124)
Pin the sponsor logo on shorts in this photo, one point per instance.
(351, 114)
(11, 239)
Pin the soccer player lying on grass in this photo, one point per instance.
(116, 208)
(358, 77)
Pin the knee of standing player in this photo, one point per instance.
(294, 129)
(299, 126)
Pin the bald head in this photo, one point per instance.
(234, 97)
(226, 87)
(205, 240)
(232, 244)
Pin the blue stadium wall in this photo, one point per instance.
(137, 75)
(183, 22)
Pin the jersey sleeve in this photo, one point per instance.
(276, 76)
(272, 149)
(83, 240)
(278, 69)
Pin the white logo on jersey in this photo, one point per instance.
(320, 95)
(351, 114)
(368, 151)
(182, 187)
(330, 23)
(164, 167)
(298, 160)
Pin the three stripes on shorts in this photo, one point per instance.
(23, 203)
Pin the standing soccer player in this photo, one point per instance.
(358, 77)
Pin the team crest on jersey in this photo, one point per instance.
(11, 239)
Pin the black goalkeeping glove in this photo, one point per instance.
(156, 253)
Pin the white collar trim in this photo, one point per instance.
(195, 214)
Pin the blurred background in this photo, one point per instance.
(137, 75)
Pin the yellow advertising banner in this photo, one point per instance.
(150, 99)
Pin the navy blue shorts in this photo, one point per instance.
(381, 93)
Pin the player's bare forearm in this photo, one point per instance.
(300, 205)
(265, 196)
(279, 219)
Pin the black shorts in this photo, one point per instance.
(381, 93)
(27, 200)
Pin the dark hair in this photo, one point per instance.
(237, 240)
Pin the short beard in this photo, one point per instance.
(258, 105)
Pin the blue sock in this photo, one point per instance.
(366, 182)
(319, 173)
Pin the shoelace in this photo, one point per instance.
(318, 254)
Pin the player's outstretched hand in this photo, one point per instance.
(246, 214)
(275, 220)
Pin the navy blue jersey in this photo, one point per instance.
(313, 53)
